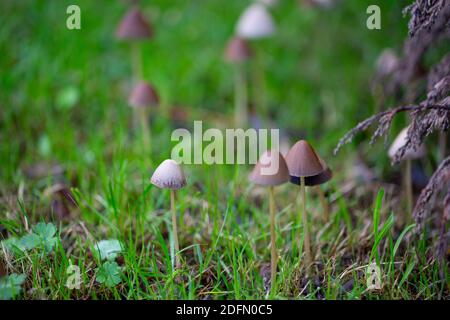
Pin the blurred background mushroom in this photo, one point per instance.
(237, 53)
(408, 155)
(134, 27)
(143, 98)
(256, 23)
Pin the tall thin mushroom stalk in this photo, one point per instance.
(253, 24)
(271, 170)
(169, 175)
(316, 181)
(303, 162)
(237, 53)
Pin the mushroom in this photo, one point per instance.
(142, 98)
(271, 170)
(169, 175)
(134, 27)
(237, 53)
(408, 156)
(253, 24)
(316, 181)
(303, 163)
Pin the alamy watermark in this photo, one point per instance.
(231, 146)
(73, 21)
(74, 277)
(373, 277)
(373, 22)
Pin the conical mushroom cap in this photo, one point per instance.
(255, 23)
(303, 161)
(134, 26)
(169, 175)
(237, 50)
(400, 141)
(266, 175)
(143, 95)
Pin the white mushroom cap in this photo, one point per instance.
(255, 22)
(387, 62)
(169, 175)
(400, 141)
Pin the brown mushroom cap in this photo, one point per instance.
(237, 50)
(134, 26)
(260, 177)
(143, 95)
(169, 175)
(303, 161)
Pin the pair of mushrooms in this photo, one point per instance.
(254, 23)
(135, 28)
(302, 167)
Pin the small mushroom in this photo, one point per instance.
(316, 181)
(170, 175)
(255, 23)
(303, 163)
(142, 98)
(408, 156)
(134, 27)
(387, 63)
(143, 95)
(271, 170)
(237, 53)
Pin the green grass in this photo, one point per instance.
(317, 76)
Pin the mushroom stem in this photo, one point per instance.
(274, 257)
(136, 61)
(174, 228)
(408, 186)
(143, 115)
(305, 224)
(259, 97)
(323, 201)
(240, 97)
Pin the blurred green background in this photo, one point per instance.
(63, 93)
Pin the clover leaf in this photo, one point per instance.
(10, 286)
(46, 233)
(43, 237)
(109, 274)
(108, 249)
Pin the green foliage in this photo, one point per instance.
(67, 98)
(10, 286)
(109, 274)
(43, 237)
(108, 249)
